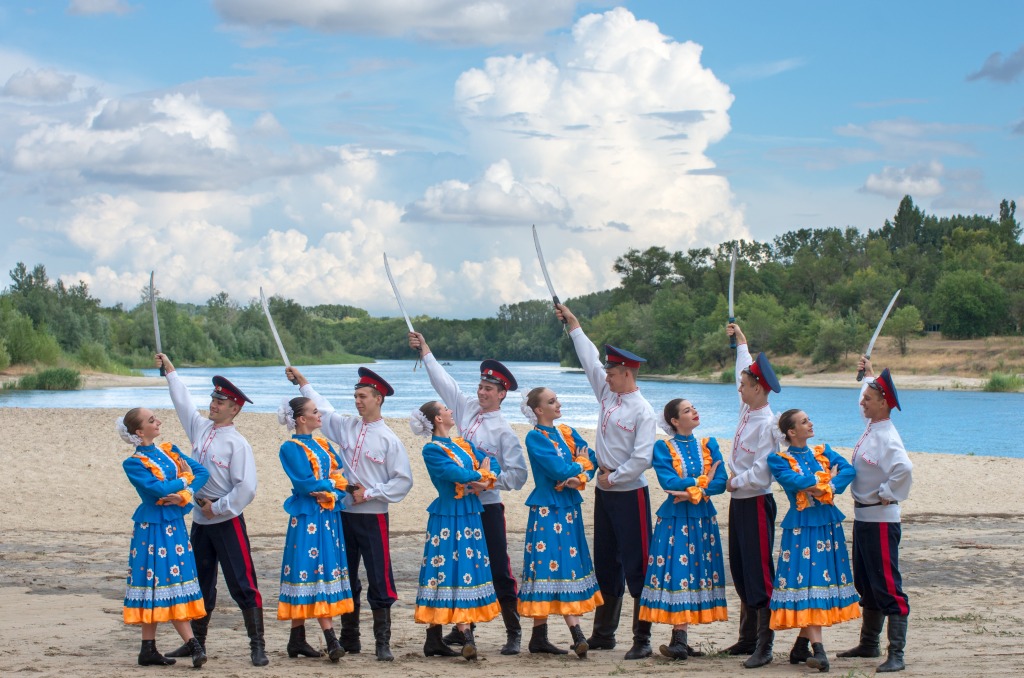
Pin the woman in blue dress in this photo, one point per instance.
(455, 575)
(558, 574)
(162, 582)
(813, 580)
(685, 581)
(314, 569)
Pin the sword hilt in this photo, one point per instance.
(732, 339)
(860, 372)
(163, 372)
(558, 303)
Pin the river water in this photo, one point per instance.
(953, 422)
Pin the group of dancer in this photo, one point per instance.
(344, 481)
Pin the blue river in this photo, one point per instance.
(952, 422)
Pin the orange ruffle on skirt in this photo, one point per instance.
(707, 616)
(798, 619)
(316, 610)
(193, 609)
(463, 615)
(548, 607)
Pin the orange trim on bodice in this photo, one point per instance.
(697, 491)
(824, 477)
(485, 476)
(340, 483)
(167, 448)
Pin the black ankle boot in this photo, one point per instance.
(870, 629)
(897, 633)
(818, 660)
(765, 638)
(579, 642)
(199, 628)
(349, 636)
(253, 618)
(334, 649)
(297, 645)
(456, 637)
(196, 652)
(382, 634)
(677, 647)
(435, 645)
(539, 643)
(801, 651)
(641, 635)
(606, 621)
(469, 647)
(748, 633)
(148, 655)
(513, 630)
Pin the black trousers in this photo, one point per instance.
(622, 538)
(367, 539)
(225, 543)
(505, 587)
(876, 567)
(751, 543)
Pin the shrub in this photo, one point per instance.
(5, 357)
(1001, 382)
(53, 379)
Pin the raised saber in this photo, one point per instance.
(401, 305)
(878, 330)
(544, 270)
(156, 321)
(732, 289)
(273, 331)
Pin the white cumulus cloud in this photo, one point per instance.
(42, 84)
(920, 181)
(99, 7)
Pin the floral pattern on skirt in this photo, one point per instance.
(685, 581)
(558, 574)
(455, 575)
(162, 584)
(813, 580)
(314, 569)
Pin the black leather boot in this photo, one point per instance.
(539, 643)
(579, 642)
(870, 629)
(253, 618)
(677, 647)
(801, 651)
(818, 660)
(350, 632)
(641, 635)
(334, 649)
(382, 634)
(469, 647)
(149, 656)
(435, 645)
(199, 628)
(765, 638)
(606, 621)
(196, 652)
(748, 633)
(513, 630)
(297, 645)
(456, 637)
(897, 633)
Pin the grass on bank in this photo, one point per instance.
(50, 379)
(1001, 382)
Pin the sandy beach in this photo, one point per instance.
(67, 523)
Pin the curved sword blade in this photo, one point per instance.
(732, 283)
(156, 318)
(878, 329)
(273, 329)
(398, 295)
(544, 266)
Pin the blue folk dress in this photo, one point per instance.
(685, 581)
(558, 574)
(162, 583)
(455, 575)
(314, 568)
(813, 581)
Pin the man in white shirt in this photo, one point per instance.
(377, 469)
(218, 530)
(884, 476)
(480, 421)
(752, 508)
(622, 503)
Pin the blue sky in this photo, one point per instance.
(230, 144)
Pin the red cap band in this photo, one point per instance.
(494, 374)
(369, 381)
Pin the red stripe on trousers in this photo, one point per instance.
(643, 525)
(890, 583)
(243, 545)
(762, 532)
(383, 527)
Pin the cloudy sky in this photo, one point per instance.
(230, 144)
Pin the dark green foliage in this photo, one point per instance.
(52, 379)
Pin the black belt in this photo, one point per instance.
(857, 504)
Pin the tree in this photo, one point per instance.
(902, 324)
(969, 305)
(643, 273)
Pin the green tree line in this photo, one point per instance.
(814, 292)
